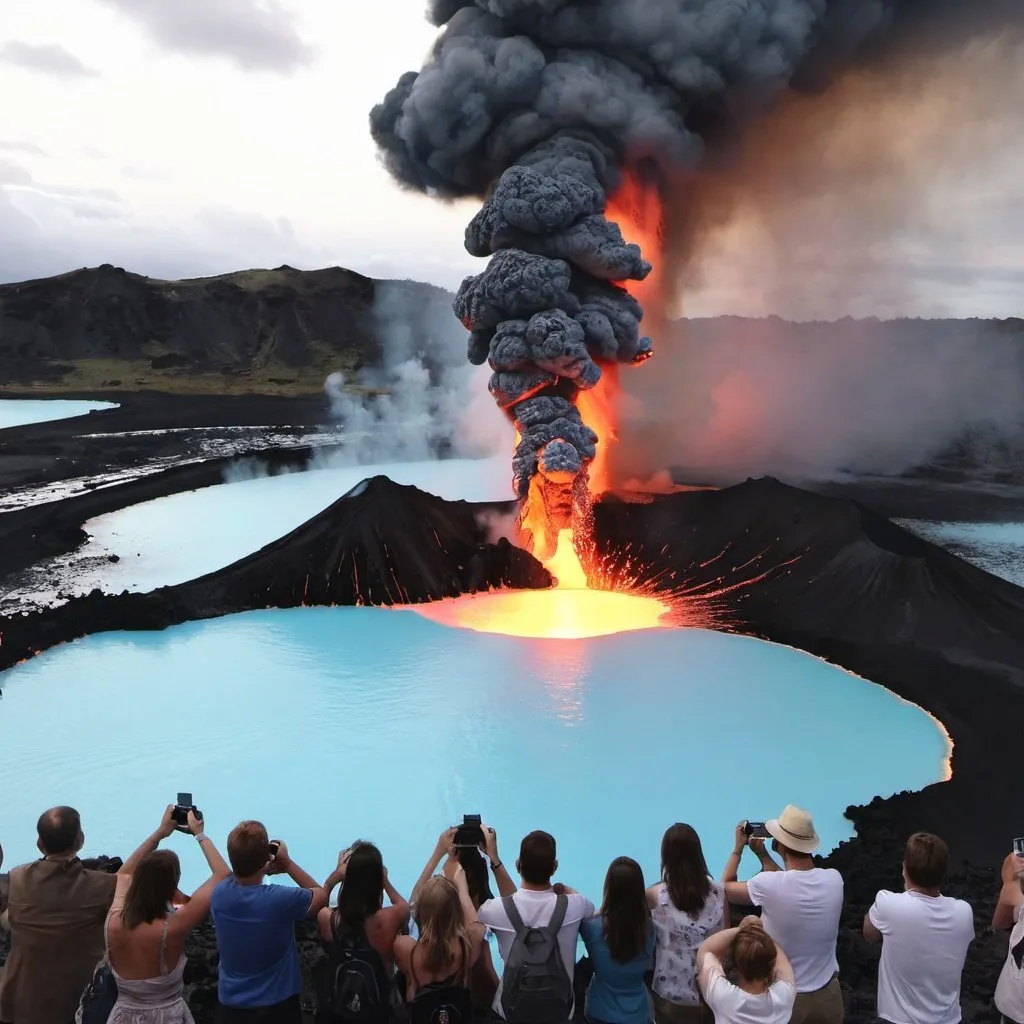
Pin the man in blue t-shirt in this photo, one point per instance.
(259, 960)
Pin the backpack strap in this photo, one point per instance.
(558, 917)
(514, 917)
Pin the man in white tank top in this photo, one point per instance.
(800, 909)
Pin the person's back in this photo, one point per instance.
(686, 907)
(763, 991)
(536, 905)
(259, 974)
(620, 943)
(924, 938)
(56, 909)
(801, 911)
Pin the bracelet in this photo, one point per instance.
(739, 852)
(494, 867)
(200, 836)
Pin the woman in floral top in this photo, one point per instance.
(686, 907)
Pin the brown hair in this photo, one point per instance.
(684, 869)
(926, 860)
(154, 883)
(248, 848)
(441, 922)
(754, 954)
(537, 858)
(627, 918)
(58, 830)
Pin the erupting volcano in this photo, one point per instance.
(573, 121)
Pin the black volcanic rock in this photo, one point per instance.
(230, 324)
(384, 544)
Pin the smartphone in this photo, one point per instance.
(1018, 846)
(756, 830)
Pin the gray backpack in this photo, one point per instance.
(535, 987)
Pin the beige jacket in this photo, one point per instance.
(55, 913)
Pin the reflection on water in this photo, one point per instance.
(19, 412)
(330, 724)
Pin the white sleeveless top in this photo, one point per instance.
(679, 938)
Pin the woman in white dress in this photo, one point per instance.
(146, 933)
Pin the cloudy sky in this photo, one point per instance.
(190, 137)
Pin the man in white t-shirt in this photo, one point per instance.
(800, 908)
(535, 900)
(924, 938)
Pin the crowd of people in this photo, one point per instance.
(90, 946)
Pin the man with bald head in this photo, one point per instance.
(55, 914)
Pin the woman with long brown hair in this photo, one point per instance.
(620, 941)
(687, 906)
(438, 966)
(146, 933)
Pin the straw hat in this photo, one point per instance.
(794, 828)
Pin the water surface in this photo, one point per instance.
(333, 724)
(18, 412)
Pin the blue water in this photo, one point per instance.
(333, 724)
(997, 548)
(184, 536)
(17, 412)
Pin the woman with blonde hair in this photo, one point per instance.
(438, 966)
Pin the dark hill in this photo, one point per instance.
(88, 328)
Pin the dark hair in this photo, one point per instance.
(684, 869)
(625, 912)
(474, 863)
(59, 829)
(248, 848)
(153, 886)
(537, 858)
(362, 893)
(754, 954)
(926, 860)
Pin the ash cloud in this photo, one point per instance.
(537, 106)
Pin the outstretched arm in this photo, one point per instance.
(506, 887)
(150, 843)
(442, 847)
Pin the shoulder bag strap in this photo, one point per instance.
(512, 912)
(558, 917)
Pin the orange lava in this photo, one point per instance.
(573, 608)
(569, 611)
(636, 208)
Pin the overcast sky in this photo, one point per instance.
(189, 137)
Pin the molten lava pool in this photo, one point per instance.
(558, 614)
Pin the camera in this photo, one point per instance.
(470, 834)
(1018, 847)
(181, 809)
(755, 830)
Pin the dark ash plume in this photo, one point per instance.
(539, 105)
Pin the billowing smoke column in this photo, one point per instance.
(539, 105)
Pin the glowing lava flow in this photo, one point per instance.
(571, 610)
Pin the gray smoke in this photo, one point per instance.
(538, 105)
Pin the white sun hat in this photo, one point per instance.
(794, 828)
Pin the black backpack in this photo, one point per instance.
(449, 1001)
(353, 987)
(535, 987)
